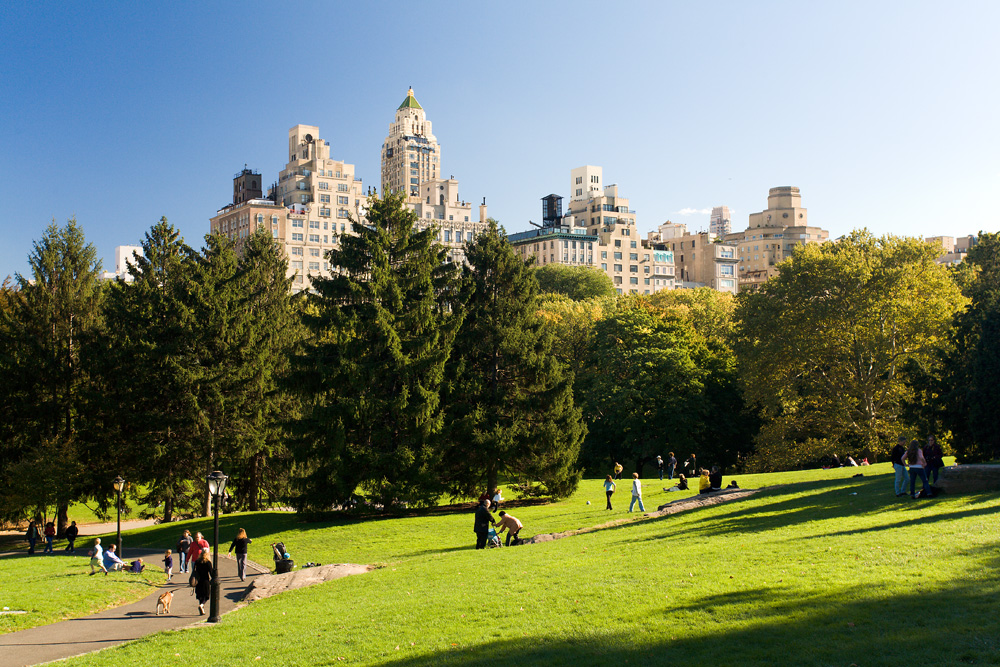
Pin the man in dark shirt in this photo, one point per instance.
(897, 464)
(716, 478)
(71, 535)
(482, 524)
(671, 465)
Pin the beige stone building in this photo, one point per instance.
(410, 154)
(307, 210)
(955, 249)
(701, 259)
(772, 235)
(411, 161)
(598, 230)
(720, 222)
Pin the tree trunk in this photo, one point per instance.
(491, 481)
(168, 509)
(253, 484)
(62, 522)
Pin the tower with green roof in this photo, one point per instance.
(410, 154)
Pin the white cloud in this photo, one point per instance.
(694, 211)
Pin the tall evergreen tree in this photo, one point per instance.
(382, 330)
(43, 332)
(509, 401)
(150, 380)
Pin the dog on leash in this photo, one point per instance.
(164, 602)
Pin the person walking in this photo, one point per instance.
(609, 489)
(896, 456)
(50, 534)
(636, 493)
(240, 544)
(97, 558)
(168, 565)
(618, 470)
(915, 459)
(183, 545)
(32, 536)
(202, 574)
(671, 465)
(71, 534)
(935, 459)
(200, 544)
(511, 524)
(691, 465)
(481, 523)
(659, 465)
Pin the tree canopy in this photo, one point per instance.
(576, 282)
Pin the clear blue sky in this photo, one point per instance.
(885, 114)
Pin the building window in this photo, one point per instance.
(618, 255)
(298, 224)
(260, 218)
(447, 236)
(343, 187)
(633, 268)
(604, 254)
(313, 252)
(325, 199)
(618, 267)
(343, 201)
(314, 224)
(314, 266)
(323, 186)
(633, 256)
(633, 281)
(604, 267)
(468, 236)
(341, 213)
(618, 243)
(274, 219)
(296, 265)
(296, 251)
(314, 238)
(296, 237)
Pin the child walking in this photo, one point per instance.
(168, 565)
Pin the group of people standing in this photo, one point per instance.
(33, 535)
(923, 462)
(193, 554)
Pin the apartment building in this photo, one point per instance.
(306, 211)
(411, 164)
(701, 259)
(124, 258)
(772, 235)
(720, 222)
(955, 249)
(598, 230)
(410, 154)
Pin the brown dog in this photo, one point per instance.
(164, 601)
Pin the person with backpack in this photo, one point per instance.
(915, 459)
(183, 545)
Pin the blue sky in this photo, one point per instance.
(883, 113)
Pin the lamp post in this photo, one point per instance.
(216, 487)
(119, 485)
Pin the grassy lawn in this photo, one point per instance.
(54, 588)
(825, 570)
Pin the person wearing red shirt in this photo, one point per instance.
(199, 544)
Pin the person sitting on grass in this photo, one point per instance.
(511, 524)
(97, 558)
(716, 479)
(704, 483)
(682, 484)
(112, 563)
(733, 485)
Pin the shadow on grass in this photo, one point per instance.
(777, 625)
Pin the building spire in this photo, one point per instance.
(410, 102)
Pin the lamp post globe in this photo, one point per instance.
(216, 488)
(119, 484)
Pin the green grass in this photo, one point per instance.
(804, 574)
(57, 587)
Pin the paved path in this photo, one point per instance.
(115, 626)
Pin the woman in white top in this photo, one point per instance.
(636, 493)
(915, 459)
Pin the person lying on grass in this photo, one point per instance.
(511, 524)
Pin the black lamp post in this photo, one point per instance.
(216, 487)
(119, 485)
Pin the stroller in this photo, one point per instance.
(282, 561)
(492, 539)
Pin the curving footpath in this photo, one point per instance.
(121, 624)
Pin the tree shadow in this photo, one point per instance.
(776, 625)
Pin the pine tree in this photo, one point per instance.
(509, 400)
(151, 374)
(43, 335)
(383, 328)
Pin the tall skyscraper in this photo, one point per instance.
(721, 221)
(410, 154)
